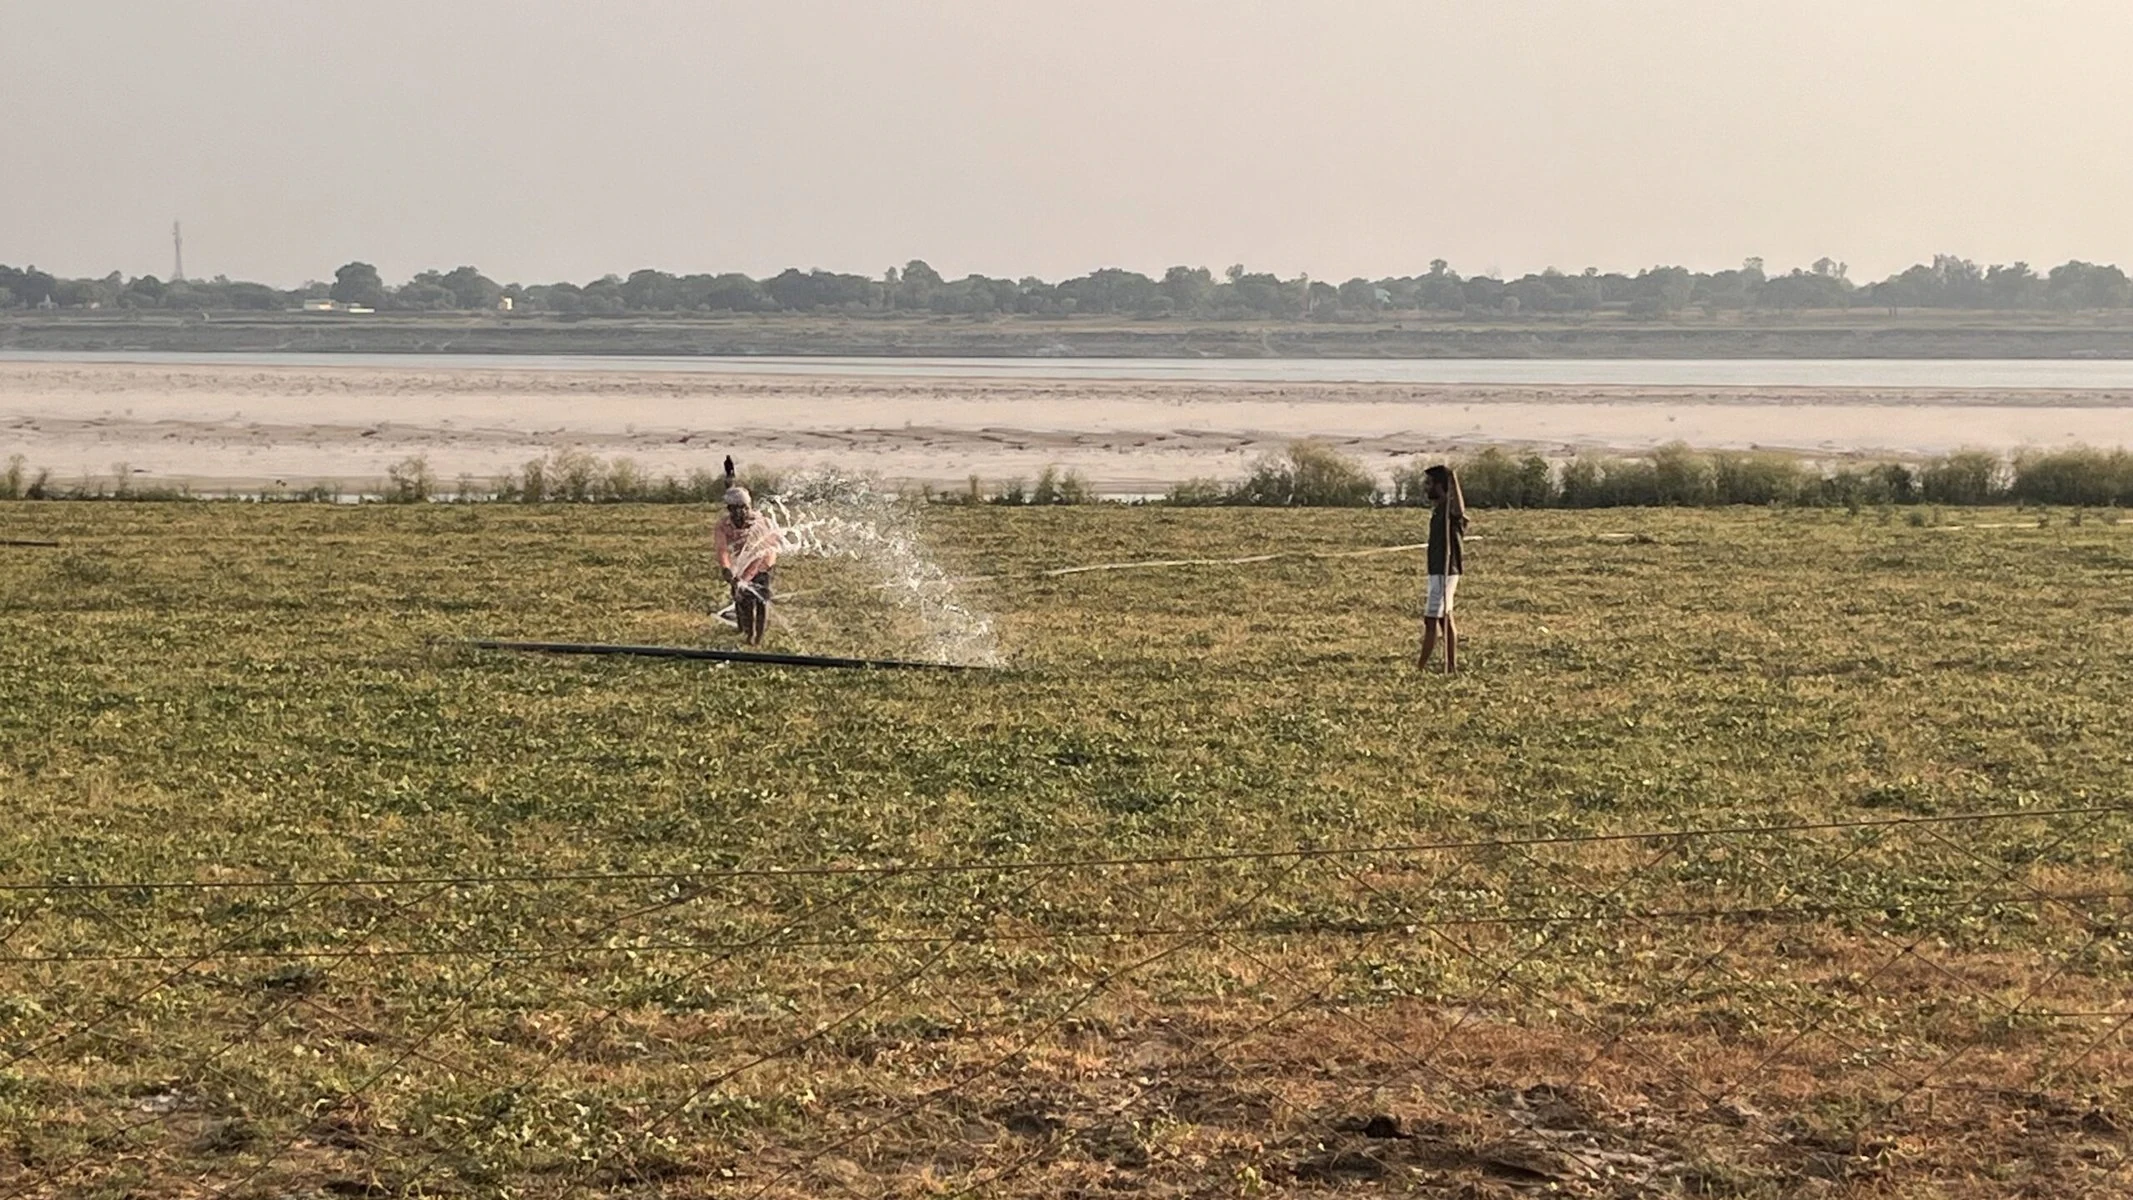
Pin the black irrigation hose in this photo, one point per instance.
(739, 656)
(30, 542)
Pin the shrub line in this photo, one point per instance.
(1308, 474)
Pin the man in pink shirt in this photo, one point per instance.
(747, 544)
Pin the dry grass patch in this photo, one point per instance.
(518, 926)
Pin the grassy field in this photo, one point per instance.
(1207, 891)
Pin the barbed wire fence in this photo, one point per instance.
(1705, 1008)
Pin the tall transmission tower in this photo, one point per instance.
(177, 250)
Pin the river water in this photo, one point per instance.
(1989, 374)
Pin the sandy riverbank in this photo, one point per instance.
(244, 426)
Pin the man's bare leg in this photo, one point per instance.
(1429, 643)
(1451, 645)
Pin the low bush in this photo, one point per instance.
(572, 476)
(1757, 478)
(1055, 486)
(1964, 477)
(759, 480)
(1324, 477)
(1307, 475)
(19, 482)
(2079, 476)
(1198, 493)
(410, 481)
(1489, 479)
(1684, 478)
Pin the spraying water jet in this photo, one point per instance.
(831, 516)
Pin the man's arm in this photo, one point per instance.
(722, 541)
(773, 541)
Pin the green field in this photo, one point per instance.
(1205, 878)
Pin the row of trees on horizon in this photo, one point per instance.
(1948, 282)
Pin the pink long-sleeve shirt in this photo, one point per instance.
(746, 552)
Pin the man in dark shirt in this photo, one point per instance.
(1447, 530)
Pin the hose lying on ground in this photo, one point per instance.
(738, 656)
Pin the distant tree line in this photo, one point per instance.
(1947, 282)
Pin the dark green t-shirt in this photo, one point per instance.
(1445, 535)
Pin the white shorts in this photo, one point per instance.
(1442, 589)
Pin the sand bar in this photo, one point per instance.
(247, 425)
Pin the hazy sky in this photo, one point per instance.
(545, 140)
